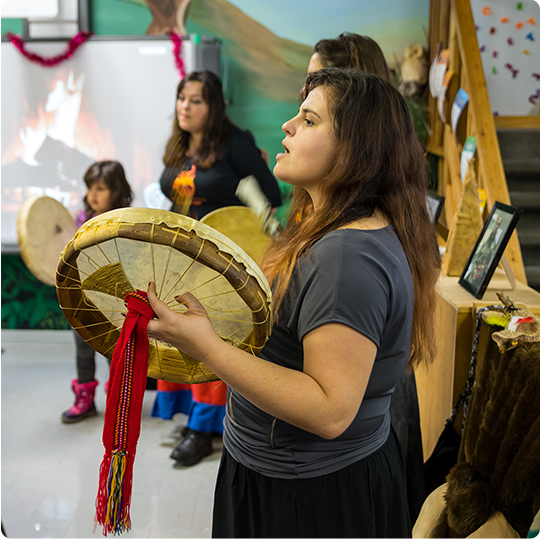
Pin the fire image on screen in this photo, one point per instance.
(112, 100)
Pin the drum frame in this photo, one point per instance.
(96, 328)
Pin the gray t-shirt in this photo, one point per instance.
(359, 278)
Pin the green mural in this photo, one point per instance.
(113, 18)
(26, 302)
(12, 25)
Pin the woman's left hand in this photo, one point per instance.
(190, 332)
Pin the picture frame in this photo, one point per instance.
(435, 204)
(489, 248)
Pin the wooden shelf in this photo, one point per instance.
(517, 122)
(440, 384)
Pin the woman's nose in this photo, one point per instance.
(287, 127)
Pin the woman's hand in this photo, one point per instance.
(190, 332)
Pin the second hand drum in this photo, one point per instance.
(44, 227)
(241, 225)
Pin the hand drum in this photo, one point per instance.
(123, 250)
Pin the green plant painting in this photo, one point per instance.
(26, 302)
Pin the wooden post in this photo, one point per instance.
(487, 149)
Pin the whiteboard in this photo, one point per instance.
(508, 33)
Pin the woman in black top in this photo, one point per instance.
(211, 150)
(205, 158)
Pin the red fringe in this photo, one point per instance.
(103, 492)
(121, 522)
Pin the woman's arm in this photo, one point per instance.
(323, 399)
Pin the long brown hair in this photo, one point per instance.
(381, 166)
(353, 51)
(215, 132)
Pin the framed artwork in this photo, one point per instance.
(435, 205)
(489, 248)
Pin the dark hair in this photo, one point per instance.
(112, 173)
(215, 133)
(353, 51)
(381, 166)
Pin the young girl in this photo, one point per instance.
(108, 189)
(308, 446)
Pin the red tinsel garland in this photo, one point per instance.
(76, 41)
(72, 45)
(177, 51)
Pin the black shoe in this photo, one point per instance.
(194, 446)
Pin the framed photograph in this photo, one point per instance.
(435, 205)
(489, 248)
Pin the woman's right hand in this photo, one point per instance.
(190, 332)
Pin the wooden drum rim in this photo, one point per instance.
(204, 247)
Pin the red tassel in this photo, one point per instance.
(127, 383)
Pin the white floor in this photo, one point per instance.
(50, 470)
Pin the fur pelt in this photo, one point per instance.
(501, 443)
(470, 501)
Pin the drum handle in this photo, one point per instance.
(250, 193)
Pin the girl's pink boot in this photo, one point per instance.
(84, 402)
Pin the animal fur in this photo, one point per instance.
(501, 443)
(470, 501)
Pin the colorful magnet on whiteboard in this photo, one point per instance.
(519, 25)
(536, 76)
(519, 5)
(505, 20)
(492, 30)
(530, 20)
(510, 41)
(486, 10)
(510, 67)
(495, 113)
(525, 51)
(530, 36)
(482, 48)
(533, 98)
(495, 54)
(494, 70)
(476, 27)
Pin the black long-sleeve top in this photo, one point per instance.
(215, 186)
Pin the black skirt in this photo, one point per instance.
(365, 500)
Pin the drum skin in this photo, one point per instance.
(44, 228)
(122, 250)
(242, 226)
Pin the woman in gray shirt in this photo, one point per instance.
(308, 446)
